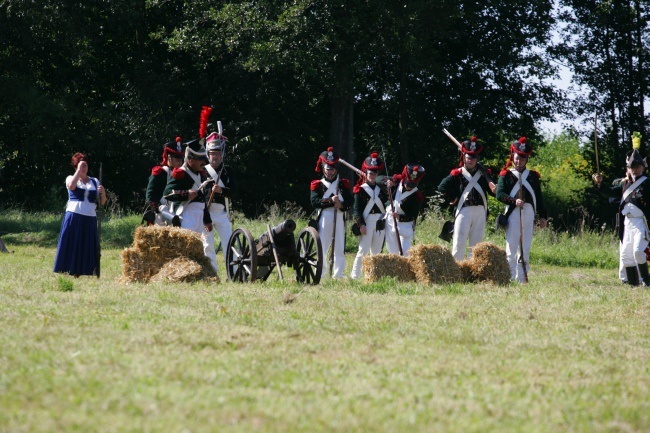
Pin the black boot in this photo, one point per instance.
(633, 275)
(645, 277)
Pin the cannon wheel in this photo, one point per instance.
(241, 257)
(309, 264)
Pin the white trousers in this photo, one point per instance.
(193, 220)
(372, 242)
(469, 224)
(405, 236)
(325, 231)
(513, 251)
(635, 241)
(220, 224)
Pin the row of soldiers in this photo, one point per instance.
(193, 187)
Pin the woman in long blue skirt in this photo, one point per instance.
(76, 252)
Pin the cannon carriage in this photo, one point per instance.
(249, 259)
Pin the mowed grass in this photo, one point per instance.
(570, 351)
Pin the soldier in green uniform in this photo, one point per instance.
(403, 211)
(172, 158)
(519, 188)
(368, 211)
(467, 188)
(632, 218)
(332, 197)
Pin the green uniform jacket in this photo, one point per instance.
(411, 205)
(361, 198)
(157, 184)
(181, 181)
(507, 181)
(317, 190)
(640, 197)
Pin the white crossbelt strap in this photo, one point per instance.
(373, 193)
(524, 182)
(168, 170)
(213, 174)
(630, 189)
(331, 189)
(473, 183)
(197, 184)
(400, 196)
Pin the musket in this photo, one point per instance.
(479, 165)
(353, 168)
(596, 142)
(521, 232)
(392, 205)
(99, 223)
(333, 235)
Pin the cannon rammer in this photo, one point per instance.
(249, 259)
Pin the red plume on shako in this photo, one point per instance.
(172, 148)
(412, 174)
(329, 157)
(372, 163)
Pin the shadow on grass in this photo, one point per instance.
(42, 229)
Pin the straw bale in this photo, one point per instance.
(489, 263)
(138, 266)
(433, 264)
(375, 267)
(465, 267)
(157, 247)
(168, 242)
(184, 270)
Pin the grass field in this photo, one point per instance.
(568, 352)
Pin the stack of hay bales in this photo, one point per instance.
(488, 263)
(375, 267)
(161, 253)
(434, 264)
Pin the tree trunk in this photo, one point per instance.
(404, 120)
(342, 131)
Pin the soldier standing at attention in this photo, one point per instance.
(368, 211)
(466, 188)
(172, 158)
(632, 219)
(404, 208)
(520, 187)
(332, 197)
(221, 192)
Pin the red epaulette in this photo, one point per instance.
(503, 172)
(419, 196)
(345, 183)
(456, 172)
(397, 178)
(157, 170)
(178, 173)
(536, 173)
(356, 189)
(314, 185)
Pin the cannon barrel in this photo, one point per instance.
(284, 228)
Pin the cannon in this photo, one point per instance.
(249, 259)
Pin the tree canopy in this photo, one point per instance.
(117, 79)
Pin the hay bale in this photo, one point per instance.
(489, 263)
(184, 270)
(465, 267)
(433, 264)
(157, 247)
(138, 266)
(375, 267)
(168, 242)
